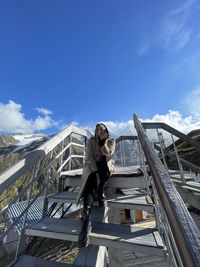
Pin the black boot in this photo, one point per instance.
(83, 236)
(101, 195)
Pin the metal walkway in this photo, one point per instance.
(54, 170)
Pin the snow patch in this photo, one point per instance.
(26, 139)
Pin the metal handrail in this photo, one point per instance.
(126, 137)
(185, 232)
(166, 127)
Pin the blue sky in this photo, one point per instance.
(87, 61)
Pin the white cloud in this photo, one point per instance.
(44, 111)
(174, 34)
(175, 31)
(115, 128)
(172, 118)
(176, 120)
(13, 120)
(184, 8)
(42, 123)
(120, 128)
(175, 37)
(75, 123)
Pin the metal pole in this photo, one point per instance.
(121, 153)
(178, 160)
(84, 153)
(45, 207)
(22, 239)
(142, 162)
(70, 152)
(61, 157)
(161, 141)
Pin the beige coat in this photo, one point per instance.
(94, 151)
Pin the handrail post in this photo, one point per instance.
(121, 153)
(45, 206)
(61, 157)
(70, 152)
(123, 150)
(22, 238)
(179, 163)
(161, 141)
(142, 162)
(84, 152)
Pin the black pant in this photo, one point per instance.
(94, 187)
(90, 188)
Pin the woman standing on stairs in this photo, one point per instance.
(97, 169)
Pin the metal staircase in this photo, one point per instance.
(174, 239)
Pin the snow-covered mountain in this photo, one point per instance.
(19, 142)
(25, 140)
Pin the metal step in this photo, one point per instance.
(120, 171)
(63, 197)
(192, 186)
(62, 229)
(143, 240)
(114, 182)
(29, 261)
(177, 177)
(131, 259)
(154, 261)
(131, 202)
(91, 256)
(123, 177)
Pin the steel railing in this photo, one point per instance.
(182, 233)
(123, 158)
(44, 163)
